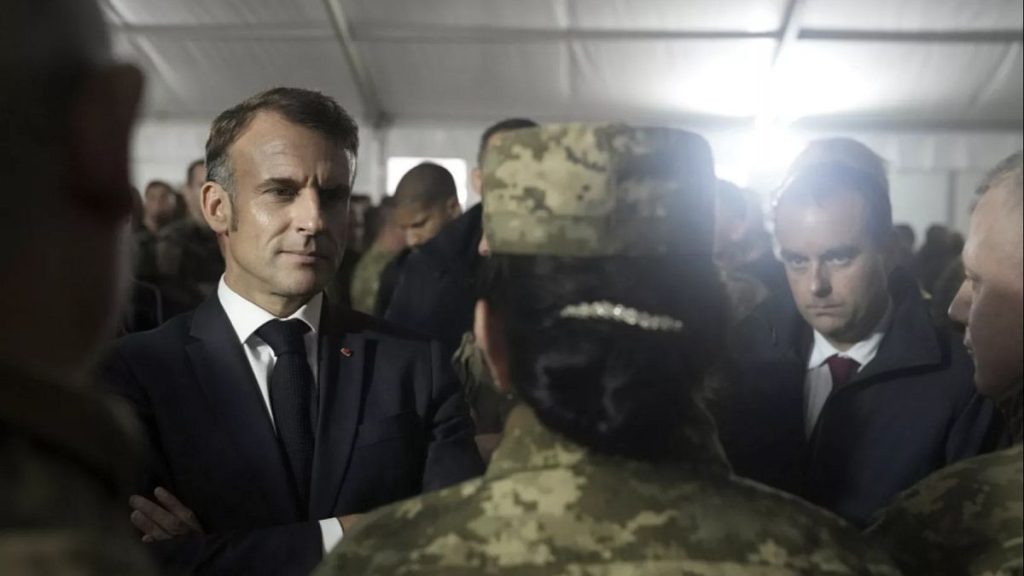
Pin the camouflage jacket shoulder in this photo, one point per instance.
(366, 277)
(965, 519)
(69, 458)
(549, 506)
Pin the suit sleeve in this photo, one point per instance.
(285, 550)
(452, 456)
(290, 550)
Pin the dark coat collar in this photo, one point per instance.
(912, 342)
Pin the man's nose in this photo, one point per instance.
(960, 307)
(821, 284)
(309, 217)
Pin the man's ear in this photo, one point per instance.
(489, 332)
(217, 207)
(99, 140)
(453, 208)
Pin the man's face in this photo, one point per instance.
(160, 204)
(420, 223)
(989, 302)
(286, 230)
(836, 271)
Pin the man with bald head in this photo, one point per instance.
(425, 202)
(66, 115)
(969, 518)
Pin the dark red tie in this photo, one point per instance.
(842, 368)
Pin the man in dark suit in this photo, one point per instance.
(274, 416)
(853, 395)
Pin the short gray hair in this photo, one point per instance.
(1009, 171)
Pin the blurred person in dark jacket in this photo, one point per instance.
(188, 258)
(437, 293)
(426, 201)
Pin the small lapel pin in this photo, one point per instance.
(346, 352)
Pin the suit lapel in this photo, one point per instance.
(230, 386)
(342, 361)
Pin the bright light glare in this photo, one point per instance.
(811, 81)
(727, 81)
(399, 165)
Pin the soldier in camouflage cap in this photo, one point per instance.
(969, 518)
(611, 465)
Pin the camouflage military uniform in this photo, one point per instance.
(965, 519)
(488, 406)
(66, 468)
(366, 278)
(550, 506)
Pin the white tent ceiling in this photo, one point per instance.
(864, 63)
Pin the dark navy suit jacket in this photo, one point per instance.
(391, 424)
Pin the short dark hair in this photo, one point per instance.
(192, 166)
(843, 165)
(506, 125)
(306, 108)
(156, 183)
(426, 185)
(612, 387)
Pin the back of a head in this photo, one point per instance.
(426, 185)
(507, 125)
(602, 275)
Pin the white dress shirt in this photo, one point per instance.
(246, 318)
(818, 381)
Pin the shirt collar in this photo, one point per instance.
(246, 317)
(862, 352)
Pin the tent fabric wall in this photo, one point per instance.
(935, 86)
(933, 174)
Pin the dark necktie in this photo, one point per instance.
(842, 368)
(291, 397)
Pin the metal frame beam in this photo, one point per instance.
(509, 35)
(361, 75)
(1002, 36)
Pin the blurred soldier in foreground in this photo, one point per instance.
(611, 464)
(66, 114)
(969, 518)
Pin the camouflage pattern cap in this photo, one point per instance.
(579, 190)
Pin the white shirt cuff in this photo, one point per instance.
(331, 532)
